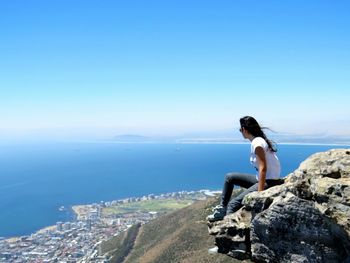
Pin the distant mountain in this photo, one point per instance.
(134, 138)
(131, 138)
(181, 237)
(277, 137)
(314, 138)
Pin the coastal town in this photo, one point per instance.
(81, 240)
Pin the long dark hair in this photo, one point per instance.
(253, 127)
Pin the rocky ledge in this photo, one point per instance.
(307, 219)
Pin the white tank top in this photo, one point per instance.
(272, 162)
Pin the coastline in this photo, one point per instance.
(82, 212)
(82, 239)
(40, 231)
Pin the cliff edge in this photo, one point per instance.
(307, 219)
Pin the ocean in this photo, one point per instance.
(37, 179)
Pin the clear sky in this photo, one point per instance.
(102, 68)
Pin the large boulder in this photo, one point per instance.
(307, 219)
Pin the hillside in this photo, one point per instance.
(180, 236)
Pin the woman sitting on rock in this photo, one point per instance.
(263, 157)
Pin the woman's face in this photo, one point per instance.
(244, 132)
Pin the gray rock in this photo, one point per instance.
(307, 219)
(293, 226)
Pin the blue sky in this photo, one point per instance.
(101, 68)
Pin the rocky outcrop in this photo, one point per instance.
(307, 219)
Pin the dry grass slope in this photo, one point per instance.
(180, 237)
(120, 246)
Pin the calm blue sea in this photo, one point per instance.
(35, 180)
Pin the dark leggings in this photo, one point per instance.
(247, 181)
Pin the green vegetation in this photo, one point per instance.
(156, 205)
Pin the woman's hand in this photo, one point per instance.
(260, 155)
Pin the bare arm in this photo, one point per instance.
(260, 154)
